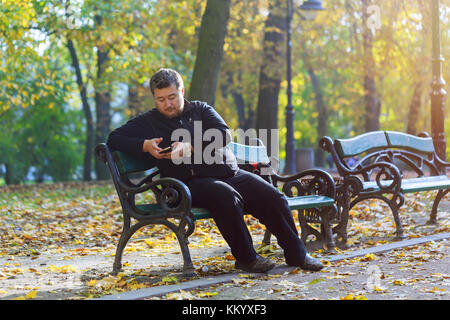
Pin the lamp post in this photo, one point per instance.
(310, 9)
(438, 93)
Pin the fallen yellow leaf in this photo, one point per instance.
(92, 283)
(352, 297)
(31, 295)
(206, 294)
(368, 257)
(229, 257)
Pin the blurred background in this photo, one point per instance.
(73, 70)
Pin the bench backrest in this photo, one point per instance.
(249, 154)
(409, 142)
(245, 154)
(375, 140)
(128, 164)
(365, 142)
(406, 151)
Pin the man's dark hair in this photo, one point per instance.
(164, 78)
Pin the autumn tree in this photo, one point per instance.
(210, 51)
(239, 74)
(271, 70)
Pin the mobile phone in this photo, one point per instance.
(166, 150)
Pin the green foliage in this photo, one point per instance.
(40, 131)
(42, 125)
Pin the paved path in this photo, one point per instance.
(378, 274)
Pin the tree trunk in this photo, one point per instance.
(245, 113)
(372, 114)
(415, 107)
(321, 108)
(8, 174)
(323, 114)
(13, 174)
(271, 71)
(212, 34)
(419, 73)
(102, 105)
(133, 100)
(89, 146)
(139, 99)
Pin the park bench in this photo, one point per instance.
(386, 165)
(311, 192)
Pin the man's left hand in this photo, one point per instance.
(180, 150)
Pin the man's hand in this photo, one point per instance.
(151, 146)
(179, 149)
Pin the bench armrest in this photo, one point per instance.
(388, 177)
(307, 182)
(172, 195)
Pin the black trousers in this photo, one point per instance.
(228, 199)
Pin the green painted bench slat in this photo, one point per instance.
(425, 184)
(295, 203)
(127, 164)
(357, 145)
(414, 184)
(409, 142)
(307, 202)
(249, 154)
(155, 209)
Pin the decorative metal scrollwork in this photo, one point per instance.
(169, 198)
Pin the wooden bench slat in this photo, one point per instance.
(295, 203)
(128, 164)
(155, 209)
(414, 184)
(362, 143)
(249, 154)
(426, 184)
(308, 202)
(409, 142)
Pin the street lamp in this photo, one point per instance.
(309, 8)
(438, 93)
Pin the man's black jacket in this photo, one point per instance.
(130, 137)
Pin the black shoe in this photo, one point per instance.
(311, 264)
(260, 265)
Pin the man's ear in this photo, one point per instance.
(182, 90)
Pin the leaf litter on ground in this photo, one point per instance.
(82, 219)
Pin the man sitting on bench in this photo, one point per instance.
(221, 187)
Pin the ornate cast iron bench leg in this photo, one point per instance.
(437, 200)
(394, 205)
(325, 235)
(341, 227)
(343, 206)
(188, 267)
(182, 237)
(127, 232)
(325, 228)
